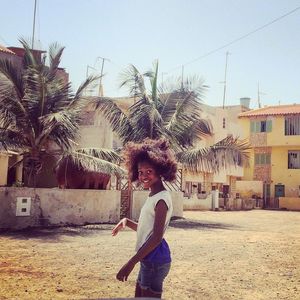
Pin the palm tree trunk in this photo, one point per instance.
(32, 167)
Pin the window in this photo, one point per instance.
(224, 123)
(261, 126)
(294, 160)
(262, 158)
(292, 125)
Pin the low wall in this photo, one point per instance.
(247, 189)
(290, 203)
(240, 204)
(139, 198)
(59, 207)
(197, 204)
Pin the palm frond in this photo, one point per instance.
(13, 140)
(94, 164)
(87, 83)
(118, 120)
(228, 152)
(144, 114)
(11, 97)
(154, 85)
(55, 53)
(134, 81)
(28, 59)
(11, 77)
(105, 154)
(64, 121)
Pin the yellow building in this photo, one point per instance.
(274, 135)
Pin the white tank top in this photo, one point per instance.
(147, 216)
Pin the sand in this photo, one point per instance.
(216, 255)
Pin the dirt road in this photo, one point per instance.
(216, 255)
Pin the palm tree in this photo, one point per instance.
(40, 116)
(175, 113)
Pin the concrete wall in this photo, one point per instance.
(59, 207)
(3, 168)
(98, 134)
(139, 198)
(290, 203)
(240, 204)
(197, 204)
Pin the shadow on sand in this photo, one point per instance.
(53, 233)
(183, 223)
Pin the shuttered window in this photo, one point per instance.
(262, 159)
(292, 125)
(261, 126)
(294, 159)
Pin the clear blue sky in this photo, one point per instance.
(175, 32)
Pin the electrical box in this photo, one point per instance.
(23, 206)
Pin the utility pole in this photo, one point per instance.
(100, 93)
(225, 78)
(87, 74)
(182, 72)
(258, 95)
(33, 26)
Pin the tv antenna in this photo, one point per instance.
(258, 95)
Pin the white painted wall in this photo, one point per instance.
(197, 204)
(59, 207)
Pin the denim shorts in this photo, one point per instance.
(152, 275)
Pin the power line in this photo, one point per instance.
(237, 39)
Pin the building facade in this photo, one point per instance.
(274, 135)
(224, 121)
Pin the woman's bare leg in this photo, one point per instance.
(149, 293)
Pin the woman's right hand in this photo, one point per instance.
(121, 225)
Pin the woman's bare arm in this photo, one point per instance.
(122, 224)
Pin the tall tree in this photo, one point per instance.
(40, 116)
(173, 111)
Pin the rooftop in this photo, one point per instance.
(272, 111)
(5, 50)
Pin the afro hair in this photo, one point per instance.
(155, 152)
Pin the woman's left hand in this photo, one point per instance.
(125, 271)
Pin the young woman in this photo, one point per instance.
(150, 162)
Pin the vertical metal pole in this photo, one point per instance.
(224, 93)
(182, 72)
(100, 83)
(33, 27)
(101, 75)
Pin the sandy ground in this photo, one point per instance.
(216, 255)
